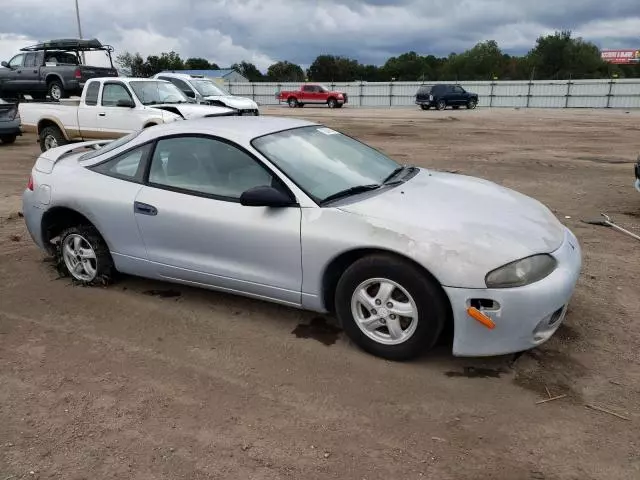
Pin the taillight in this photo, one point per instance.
(77, 73)
(30, 183)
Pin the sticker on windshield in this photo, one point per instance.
(327, 131)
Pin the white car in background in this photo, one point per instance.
(204, 90)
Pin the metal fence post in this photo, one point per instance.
(529, 92)
(391, 94)
(253, 91)
(361, 88)
(278, 85)
(568, 94)
(609, 95)
(493, 84)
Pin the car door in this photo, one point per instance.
(307, 94)
(13, 75)
(113, 120)
(88, 111)
(457, 95)
(196, 231)
(29, 73)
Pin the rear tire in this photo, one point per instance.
(84, 256)
(375, 287)
(8, 139)
(339, 105)
(51, 137)
(55, 90)
(425, 107)
(293, 102)
(441, 105)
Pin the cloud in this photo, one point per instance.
(227, 31)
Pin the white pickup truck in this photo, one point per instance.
(110, 108)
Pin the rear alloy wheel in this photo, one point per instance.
(471, 104)
(293, 103)
(425, 107)
(332, 102)
(389, 307)
(55, 90)
(51, 137)
(84, 256)
(8, 139)
(441, 105)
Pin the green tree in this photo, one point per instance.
(133, 63)
(559, 56)
(409, 67)
(482, 62)
(285, 72)
(332, 68)
(248, 70)
(197, 63)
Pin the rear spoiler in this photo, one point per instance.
(48, 159)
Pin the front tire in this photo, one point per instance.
(84, 256)
(471, 104)
(389, 307)
(51, 137)
(332, 102)
(8, 139)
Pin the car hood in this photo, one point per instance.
(234, 102)
(476, 221)
(193, 110)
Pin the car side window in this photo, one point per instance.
(112, 92)
(458, 89)
(30, 59)
(16, 61)
(204, 165)
(127, 166)
(91, 98)
(182, 85)
(307, 88)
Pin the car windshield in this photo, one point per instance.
(153, 93)
(207, 88)
(323, 162)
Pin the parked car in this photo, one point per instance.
(52, 68)
(294, 212)
(10, 127)
(204, 90)
(312, 93)
(637, 172)
(111, 108)
(441, 96)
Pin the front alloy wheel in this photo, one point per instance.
(390, 307)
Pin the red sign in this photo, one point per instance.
(621, 56)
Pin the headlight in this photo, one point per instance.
(521, 272)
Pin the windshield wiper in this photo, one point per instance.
(350, 191)
(396, 172)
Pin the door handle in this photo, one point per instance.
(102, 114)
(144, 209)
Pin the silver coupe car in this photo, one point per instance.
(295, 212)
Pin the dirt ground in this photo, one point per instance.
(144, 380)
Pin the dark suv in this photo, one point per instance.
(441, 96)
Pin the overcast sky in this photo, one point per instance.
(264, 31)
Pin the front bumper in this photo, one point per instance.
(524, 317)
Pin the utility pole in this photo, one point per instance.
(84, 60)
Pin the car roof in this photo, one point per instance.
(239, 129)
(184, 76)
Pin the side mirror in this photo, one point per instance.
(265, 196)
(5, 64)
(125, 103)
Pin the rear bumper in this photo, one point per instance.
(525, 317)
(33, 212)
(10, 130)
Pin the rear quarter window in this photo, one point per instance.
(91, 98)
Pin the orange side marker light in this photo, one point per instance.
(481, 317)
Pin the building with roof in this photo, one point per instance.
(223, 75)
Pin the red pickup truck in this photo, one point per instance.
(312, 93)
